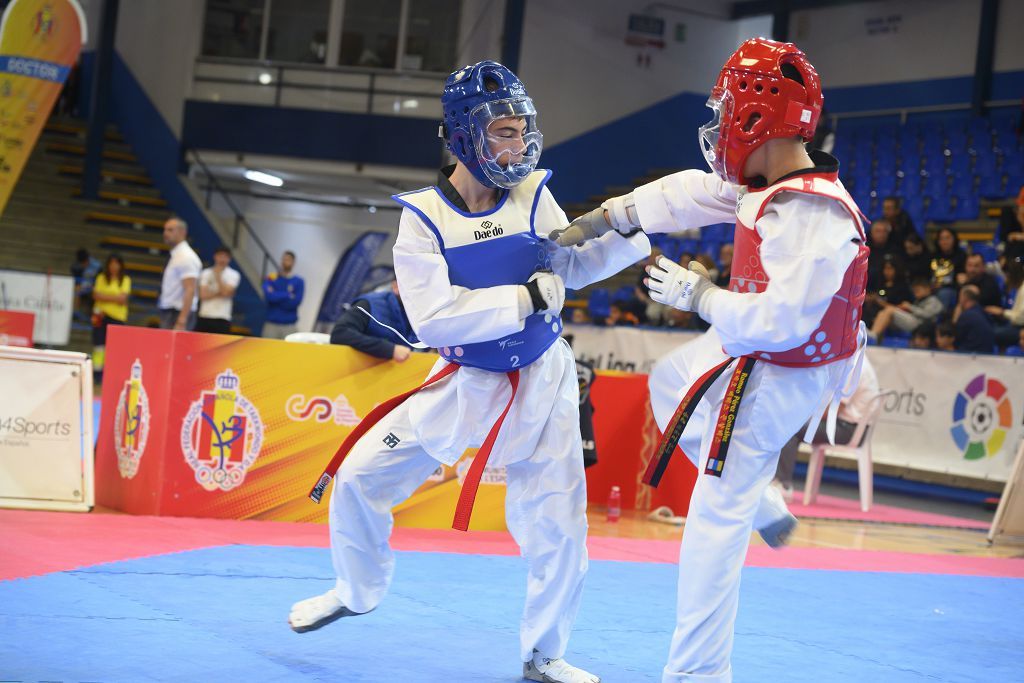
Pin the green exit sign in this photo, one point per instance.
(680, 33)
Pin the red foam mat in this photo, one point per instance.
(41, 542)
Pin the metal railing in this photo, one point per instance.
(239, 223)
(345, 89)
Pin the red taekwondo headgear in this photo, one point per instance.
(766, 90)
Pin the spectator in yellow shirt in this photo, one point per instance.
(110, 296)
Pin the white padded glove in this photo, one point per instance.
(674, 286)
(621, 217)
(546, 292)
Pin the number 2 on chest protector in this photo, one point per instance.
(515, 361)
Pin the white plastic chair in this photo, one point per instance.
(865, 474)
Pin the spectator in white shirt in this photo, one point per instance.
(178, 301)
(851, 411)
(217, 286)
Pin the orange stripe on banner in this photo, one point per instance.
(375, 416)
(464, 509)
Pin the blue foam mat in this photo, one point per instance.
(220, 614)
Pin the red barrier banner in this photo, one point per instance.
(16, 328)
(205, 425)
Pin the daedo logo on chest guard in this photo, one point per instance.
(221, 435)
(131, 423)
(487, 230)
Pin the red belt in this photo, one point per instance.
(464, 508)
(723, 430)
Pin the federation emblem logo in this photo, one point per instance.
(131, 423)
(221, 435)
(982, 416)
(43, 22)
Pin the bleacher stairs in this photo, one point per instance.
(46, 220)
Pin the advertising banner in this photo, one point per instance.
(45, 430)
(209, 425)
(50, 298)
(39, 43)
(957, 414)
(346, 282)
(16, 328)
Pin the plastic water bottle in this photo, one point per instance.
(614, 504)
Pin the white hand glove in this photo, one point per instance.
(621, 216)
(547, 293)
(674, 286)
(587, 227)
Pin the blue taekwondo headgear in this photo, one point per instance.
(473, 98)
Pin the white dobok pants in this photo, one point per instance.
(723, 511)
(546, 499)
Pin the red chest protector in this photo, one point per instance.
(836, 335)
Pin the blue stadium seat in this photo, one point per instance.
(599, 304)
(623, 293)
(986, 249)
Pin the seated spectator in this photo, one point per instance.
(217, 287)
(917, 260)
(84, 271)
(709, 264)
(851, 411)
(653, 311)
(923, 337)
(1010, 321)
(948, 261)
(684, 320)
(1018, 349)
(945, 337)
(902, 225)
(883, 247)
(580, 316)
(976, 274)
(974, 332)
(891, 289)
(620, 315)
(110, 293)
(725, 263)
(907, 316)
(1011, 230)
(376, 324)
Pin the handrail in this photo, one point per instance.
(239, 218)
(923, 109)
(432, 76)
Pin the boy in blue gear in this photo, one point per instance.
(483, 285)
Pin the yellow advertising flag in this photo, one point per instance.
(39, 43)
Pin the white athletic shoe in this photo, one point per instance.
(547, 670)
(312, 613)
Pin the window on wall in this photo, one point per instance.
(298, 31)
(369, 33)
(233, 28)
(432, 31)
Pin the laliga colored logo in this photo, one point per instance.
(42, 22)
(131, 423)
(982, 415)
(221, 435)
(321, 409)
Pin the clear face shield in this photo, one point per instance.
(507, 140)
(710, 134)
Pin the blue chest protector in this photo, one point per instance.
(389, 320)
(488, 249)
